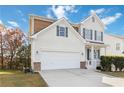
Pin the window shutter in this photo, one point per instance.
(88, 54)
(98, 53)
(84, 33)
(95, 34)
(101, 36)
(57, 31)
(91, 34)
(66, 31)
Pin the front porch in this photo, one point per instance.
(93, 52)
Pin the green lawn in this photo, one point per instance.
(116, 74)
(20, 79)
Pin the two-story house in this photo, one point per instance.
(59, 44)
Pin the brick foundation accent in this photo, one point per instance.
(37, 66)
(83, 65)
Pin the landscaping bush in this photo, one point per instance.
(107, 61)
(121, 64)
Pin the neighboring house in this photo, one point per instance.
(116, 45)
(58, 44)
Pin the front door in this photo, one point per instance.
(89, 61)
(92, 59)
(92, 62)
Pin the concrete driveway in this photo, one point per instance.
(73, 78)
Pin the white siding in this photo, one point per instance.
(111, 41)
(48, 41)
(88, 24)
(93, 25)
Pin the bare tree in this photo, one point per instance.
(14, 39)
(10, 42)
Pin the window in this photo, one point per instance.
(87, 34)
(62, 31)
(96, 54)
(117, 46)
(98, 36)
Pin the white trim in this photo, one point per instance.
(60, 51)
(57, 50)
(117, 36)
(99, 20)
(95, 44)
(43, 18)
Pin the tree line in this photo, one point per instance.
(14, 48)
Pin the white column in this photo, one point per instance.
(92, 56)
(92, 53)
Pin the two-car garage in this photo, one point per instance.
(59, 60)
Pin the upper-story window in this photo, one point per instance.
(62, 31)
(87, 34)
(93, 19)
(117, 46)
(98, 36)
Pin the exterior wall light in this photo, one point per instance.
(82, 53)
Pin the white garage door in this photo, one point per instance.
(59, 60)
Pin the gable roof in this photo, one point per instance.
(113, 35)
(94, 15)
(73, 30)
(38, 23)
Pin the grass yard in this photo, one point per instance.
(116, 74)
(20, 79)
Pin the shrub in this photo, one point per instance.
(121, 64)
(107, 61)
(116, 63)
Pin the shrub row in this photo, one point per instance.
(108, 61)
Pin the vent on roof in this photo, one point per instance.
(93, 19)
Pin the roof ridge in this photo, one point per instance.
(111, 34)
(52, 19)
(43, 17)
